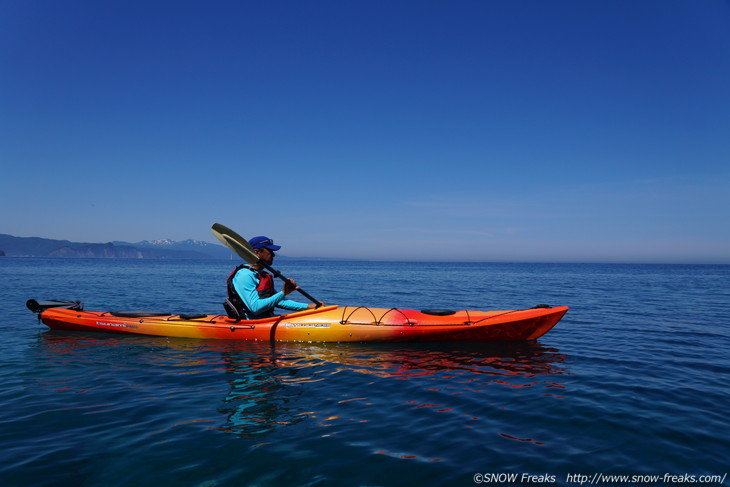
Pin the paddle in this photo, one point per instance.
(241, 247)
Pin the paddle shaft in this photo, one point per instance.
(286, 279)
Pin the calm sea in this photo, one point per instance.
(633, 383)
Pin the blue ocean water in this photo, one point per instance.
(633, 381)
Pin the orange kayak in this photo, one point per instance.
(325, 324)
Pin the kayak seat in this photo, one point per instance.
(231, 310)
(438, 312)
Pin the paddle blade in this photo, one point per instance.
(220, 229)
(235, 242)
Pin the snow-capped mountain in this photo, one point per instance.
(208, 250)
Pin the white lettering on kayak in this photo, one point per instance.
(307, 325)
(116, 325)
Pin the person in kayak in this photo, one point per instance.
(251, 289)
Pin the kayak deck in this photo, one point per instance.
(325, 324)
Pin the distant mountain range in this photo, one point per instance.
(147, 249)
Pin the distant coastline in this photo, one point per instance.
(13, 246)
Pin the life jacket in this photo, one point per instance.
(265, 288)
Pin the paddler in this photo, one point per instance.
(251, 289)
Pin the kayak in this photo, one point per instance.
(324, 324)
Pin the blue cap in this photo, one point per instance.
(263, 243)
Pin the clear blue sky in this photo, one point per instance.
(525, 130)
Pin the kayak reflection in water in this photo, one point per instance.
(331, 385)
(251, 290)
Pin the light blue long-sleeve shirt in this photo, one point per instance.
(245, 282)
